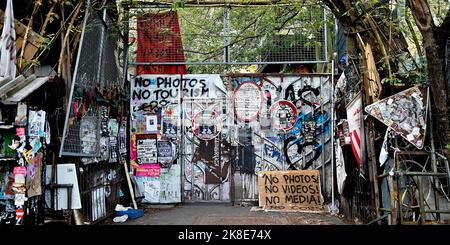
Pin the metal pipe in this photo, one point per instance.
(423, 173)
(100, 51)
(228, 63)
(325, 34)
(332, 133)
(322, 139)
(447, 211)
(202, 4)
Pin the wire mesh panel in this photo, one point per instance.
(96, 72)
(233, 35)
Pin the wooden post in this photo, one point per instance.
(393, 195)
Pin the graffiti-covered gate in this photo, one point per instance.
(206, 150)
(195, 140)
(280, 122)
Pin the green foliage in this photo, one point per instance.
(255, 33)
(178, 4)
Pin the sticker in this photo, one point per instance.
(284, 114)
(151, 123)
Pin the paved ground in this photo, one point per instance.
(224, 214)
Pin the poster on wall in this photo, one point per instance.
(104, 121)
(148, 170)
(163, 189)
(146, 149)
(88, 135)
(248, 100)
(36, 124)
(354, 116)
(170, 185)
(165, 153)
(33, 178)
(170, 121)
(112, 149)
(405, 113)
(123, 139)
(152, 188)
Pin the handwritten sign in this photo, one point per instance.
(148, 91)
(290, 190)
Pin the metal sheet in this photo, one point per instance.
(24, 90)
(15, 90)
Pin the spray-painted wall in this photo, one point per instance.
(185, 144)
(291, 129)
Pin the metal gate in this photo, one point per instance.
(206, 153)
(292, 129)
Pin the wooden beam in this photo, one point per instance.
(34, 40)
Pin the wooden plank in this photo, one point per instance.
(34, 40)
(296, 190)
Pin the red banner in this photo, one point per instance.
(159, 40)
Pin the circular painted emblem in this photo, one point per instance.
(283, 113)
(248, 100)
(207, 124)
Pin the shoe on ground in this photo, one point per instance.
(120, 219)
(119, 207)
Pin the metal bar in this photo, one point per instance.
(322, 139)
(399, 196)
(325, 35)
(332, 133)
(383, 175)
(206, 3)
(229, 63)
(445, 211)
(66, 121)
(423, 173)
(100, 50)
(126, 48)
(412, 153)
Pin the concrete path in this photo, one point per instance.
(224, 214)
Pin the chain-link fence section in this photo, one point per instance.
(230, 35)
(96, 73)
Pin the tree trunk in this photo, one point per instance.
(435, 56)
